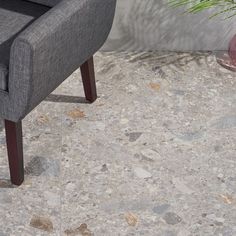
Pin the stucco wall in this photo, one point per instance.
(153, 25)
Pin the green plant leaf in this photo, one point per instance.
(227, 7)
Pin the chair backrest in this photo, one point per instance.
(49, 3)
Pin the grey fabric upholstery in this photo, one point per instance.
(50, 49)
(3, 77)
(47, 2)
(14, 17)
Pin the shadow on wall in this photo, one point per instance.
(153, 25)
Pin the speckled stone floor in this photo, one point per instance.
(154, 155)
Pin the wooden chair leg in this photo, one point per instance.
(15, 151)
(88, 77)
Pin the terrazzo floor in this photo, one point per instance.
(154, 155)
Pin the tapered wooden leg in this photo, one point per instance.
(15, 151)
(88, 77)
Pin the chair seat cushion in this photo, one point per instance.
(15, 16)
(3, 77)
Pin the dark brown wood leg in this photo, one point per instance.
(15, 151)
(88, 77)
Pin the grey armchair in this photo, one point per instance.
(41, 43)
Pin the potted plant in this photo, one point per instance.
(226, 7)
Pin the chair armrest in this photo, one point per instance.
(54, 46)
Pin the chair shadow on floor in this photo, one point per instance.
(6, 183)
(65, 99)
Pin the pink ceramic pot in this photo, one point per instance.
(232, 49)
(228, 59)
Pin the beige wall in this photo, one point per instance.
(153, 25)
